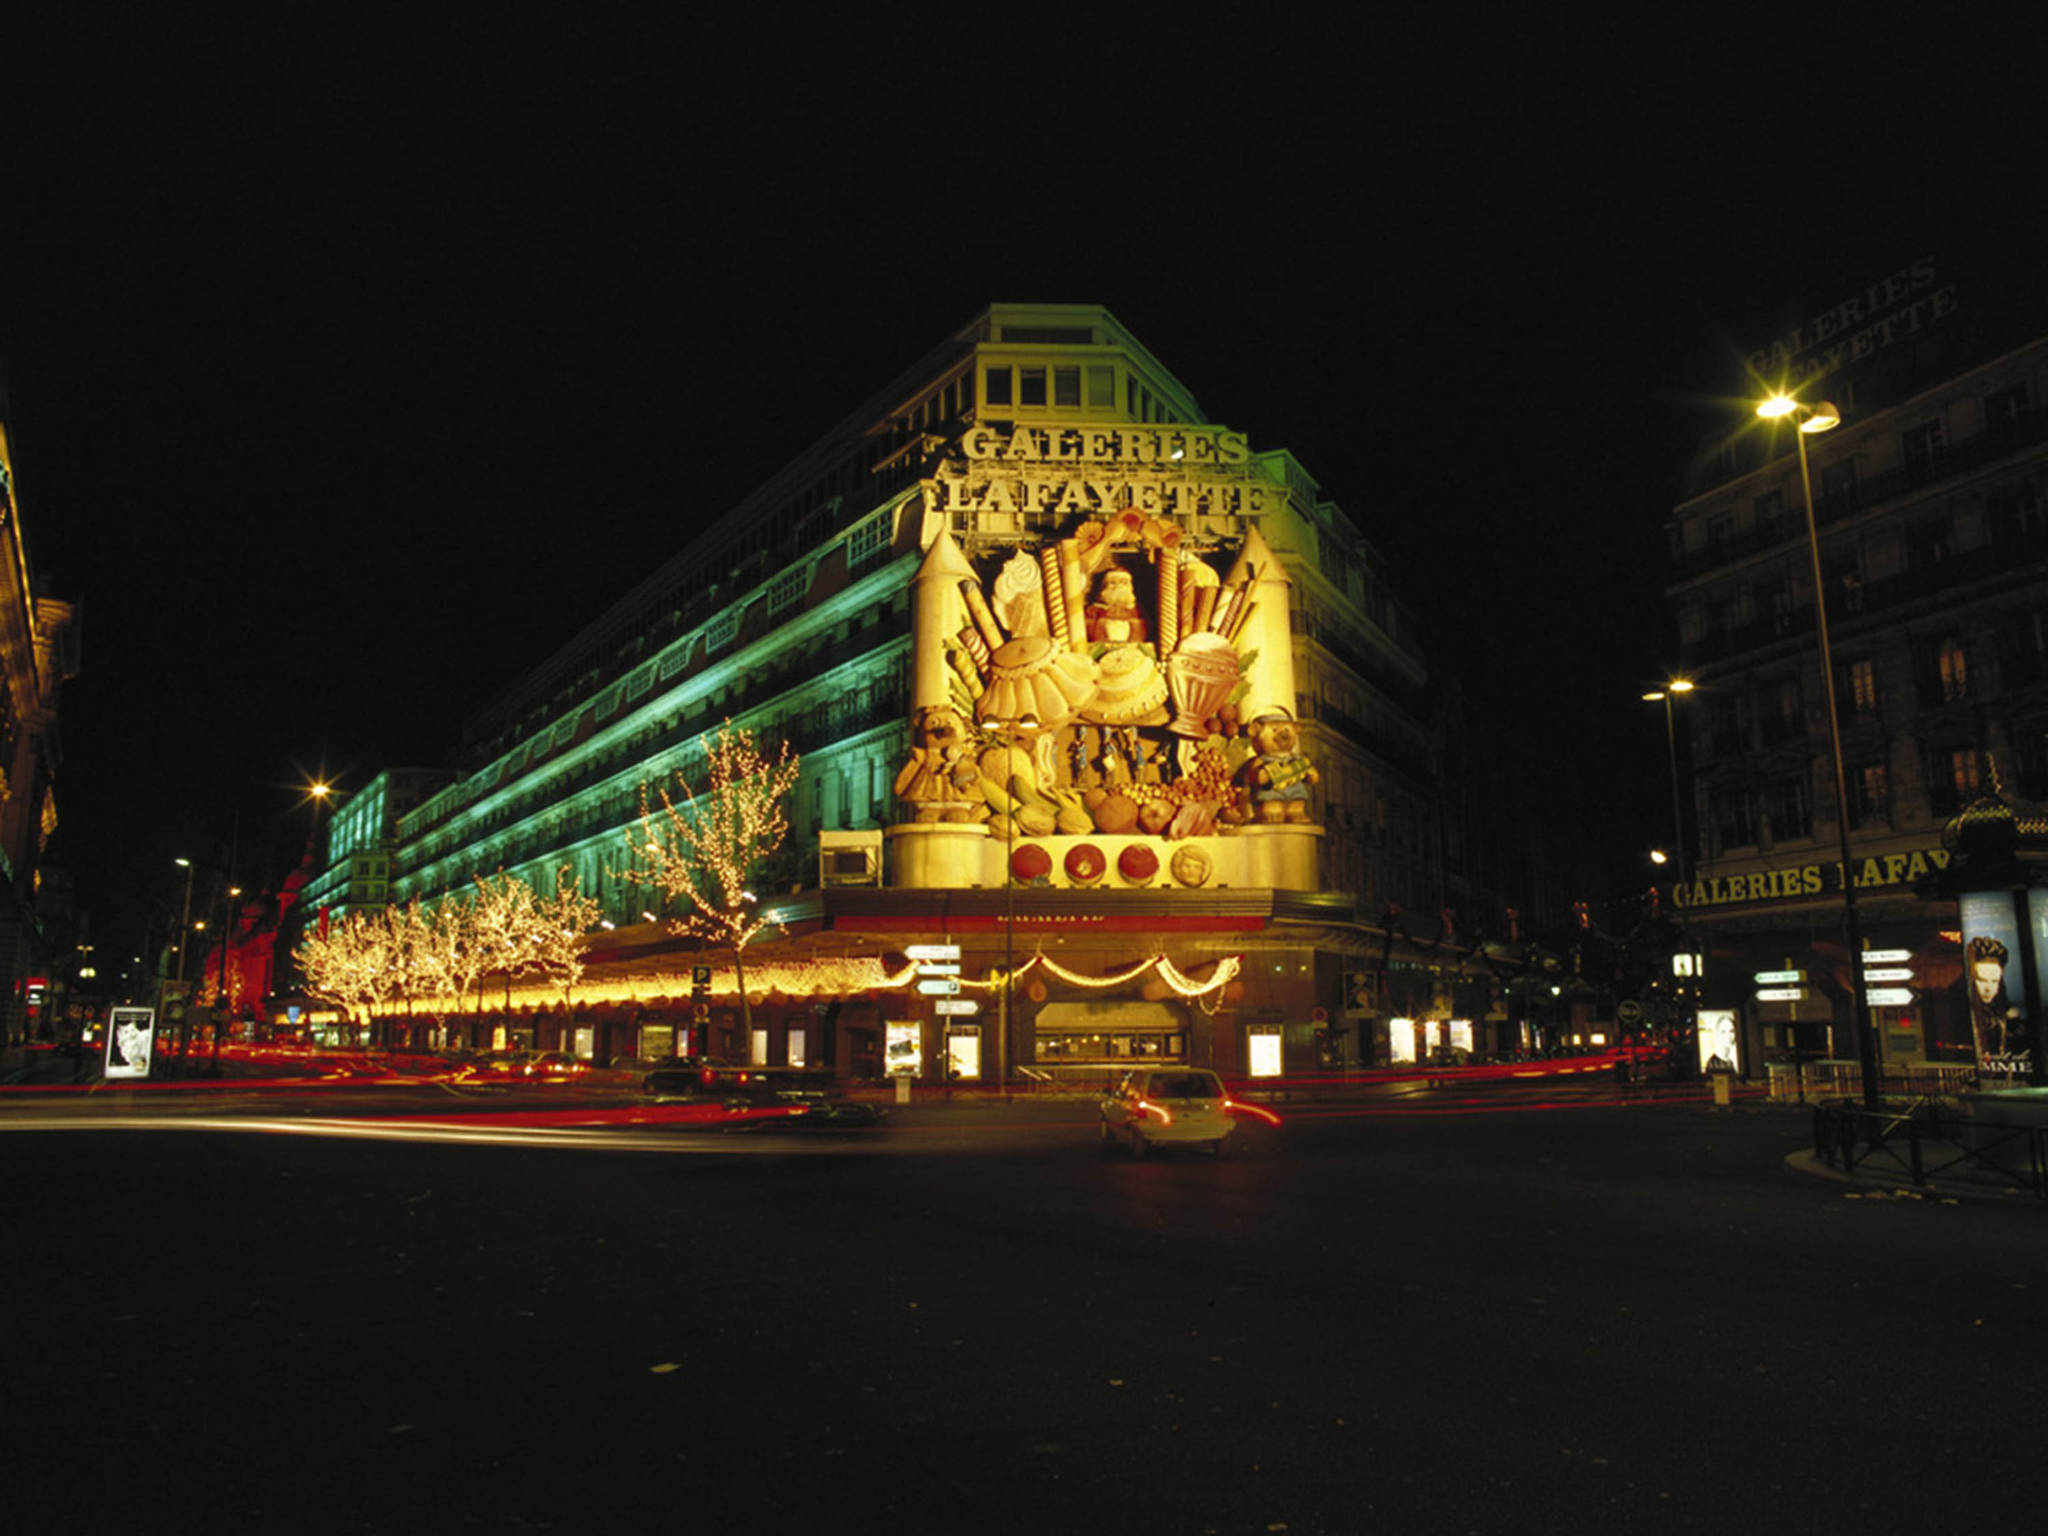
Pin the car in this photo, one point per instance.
(675, 1077)
(1167, 1106)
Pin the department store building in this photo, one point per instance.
(1089, 691)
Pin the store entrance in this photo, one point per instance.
(1105, 1033)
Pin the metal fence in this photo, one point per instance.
(1924, 1141)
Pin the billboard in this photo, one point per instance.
(1994, 993)
(131, 1041)
(1720, 1042)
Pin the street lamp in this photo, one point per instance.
(1811, 419)
(1677, 685)
(185, 921)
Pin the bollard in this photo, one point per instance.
(903, 1089)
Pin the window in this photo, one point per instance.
(1768, 507)
(1929, 542)
(1962, 773)
(1066, 387)
(1734, 818)
(1101, 387)
(995, 387)
(2013, 513)
(1031, 386)
(2004, 411)
(867, 540)
(2031, 749)
(1781, 611)
(1921, 448)
(789, 589)
(1778, 715)
(1720, 531)
(721, 631)
(1838, 488)
(1863, 687)
(1952, 669)
(1869, 795)
(1740, 613)
(2023, 648)
(1790, 805)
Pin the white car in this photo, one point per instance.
(1167, 1106)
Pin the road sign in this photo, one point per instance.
(703, 1013)
(700, 978)
(1782, 995)
(956, 1006)
(1778, 978)
(932, 951)
(1886, 957)
(939, 986)
(936, 968)
(1890, 997)
(1629, 1011)
(1887, 973)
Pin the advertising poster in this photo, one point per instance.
(1994, 996)
(1720, 1042)
(903, 1049)
(131, 1041)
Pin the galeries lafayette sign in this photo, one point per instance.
(1802, 880)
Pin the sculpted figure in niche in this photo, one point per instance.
(941, 781)
(1114, 615)
(1275, 781)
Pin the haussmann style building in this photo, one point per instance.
(1928, 499)
(1088, 690)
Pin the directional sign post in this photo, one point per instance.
(939, 986)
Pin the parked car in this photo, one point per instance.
(1167, 1106)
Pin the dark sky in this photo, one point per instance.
(357, 356)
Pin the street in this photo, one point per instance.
(1573, 1315)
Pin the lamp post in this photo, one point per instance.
(1677, 685)
(1811, 419)
(185, 920)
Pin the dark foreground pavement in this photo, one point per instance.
(1551, 1319)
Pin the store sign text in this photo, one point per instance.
(1808, 880)
(1889, 310)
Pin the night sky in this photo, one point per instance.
(358, 356)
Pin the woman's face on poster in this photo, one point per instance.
(1987, 976)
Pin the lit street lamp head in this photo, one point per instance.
(1811, 418)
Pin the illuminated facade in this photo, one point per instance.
(38, 652)
(1934, 550)
(1125, 703)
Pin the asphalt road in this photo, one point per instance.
(1466, 1316)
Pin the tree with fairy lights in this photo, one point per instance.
(560, 922)
(704, 852)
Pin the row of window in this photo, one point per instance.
(1068, 387)
(1781, 810)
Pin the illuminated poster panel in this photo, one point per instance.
(1992, 991)
(963, 1055)
(797, 1058)
(1461, 1035)
(903, 1049)
(131, 1042)
(1720, 1042)
(1264, 1053)
(1401, 1038)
